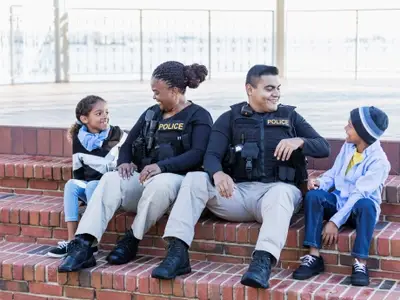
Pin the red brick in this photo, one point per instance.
(215, 288)
(10, 229)
(28, 192)
(66, 173)
(41, 232)
(38, 171)
(47, 172)
(57, 174)
(2, 170)
(9, 170)
(107, 295)
(239, 250)
(14, 183)
(29, 297)
(16, 286)
(6, 296)
(28, 171)
(20, 239)
(79, 292)
(395, 244)
(19, 170)
(390, 265)
(43, 184)
(230, 232)
(45, 289)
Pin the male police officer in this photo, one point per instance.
(256, 160)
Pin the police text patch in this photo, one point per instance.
(278, 122)
(171, 126)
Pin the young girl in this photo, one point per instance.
(95, 149)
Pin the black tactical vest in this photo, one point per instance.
(254, 140)
(165, 138)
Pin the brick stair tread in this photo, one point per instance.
(26, 269)
(60, 169)
(31, 218)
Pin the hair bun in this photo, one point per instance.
(194, 75)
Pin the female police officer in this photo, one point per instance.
(168, 140)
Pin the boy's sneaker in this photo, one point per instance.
(62, 249)
(310, 266)
(360, 276)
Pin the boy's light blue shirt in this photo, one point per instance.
(364, 180)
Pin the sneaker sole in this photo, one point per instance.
(359, 283)
(88, 264)
(183, 271)
(254, 284)
(56, 255)
(299, 277)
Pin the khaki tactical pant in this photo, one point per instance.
(271, 204)
(150, 201)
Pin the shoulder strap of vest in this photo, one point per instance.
(191, 112)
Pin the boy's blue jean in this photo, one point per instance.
(320, 205)
(74, 191)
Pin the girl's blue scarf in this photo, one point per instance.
(90, 140)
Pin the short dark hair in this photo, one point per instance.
(257, 71)
(176, 74)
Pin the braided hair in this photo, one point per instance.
(176, 74)
(83, 108)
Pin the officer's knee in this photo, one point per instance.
(195, 179)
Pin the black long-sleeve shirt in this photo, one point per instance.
(201, 123)
(220, 139)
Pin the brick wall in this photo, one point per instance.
(53, 142)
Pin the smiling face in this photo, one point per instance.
(97, 119)
(167, 97)
(351, 134)
(265, 95)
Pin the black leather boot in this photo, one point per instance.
(259, 271)
(79, 256)
(125, 250)
(175, 263)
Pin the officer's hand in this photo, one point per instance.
(330, 234)
(148, 172)
(126, 170)
(224, 184)
(313, 184)
(286, 147)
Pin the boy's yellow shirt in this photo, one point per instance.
(357, 158)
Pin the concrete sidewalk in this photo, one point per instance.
(325, 104)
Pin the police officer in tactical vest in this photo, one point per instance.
(255, 164)
(168, 140)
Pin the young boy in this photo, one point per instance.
(357, 179)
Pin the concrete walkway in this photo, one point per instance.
(325, 104)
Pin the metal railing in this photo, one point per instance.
(89, 44)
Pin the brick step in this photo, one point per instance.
(37, 175)
(25, 269)
(47, 175)
(39, 219)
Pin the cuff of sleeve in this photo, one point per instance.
(323, 184)
(338, 222)
(162, 167)
(212, 172)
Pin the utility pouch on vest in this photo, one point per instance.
(286, 174)
(249, 153)
(150, 134)
(138, 150)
